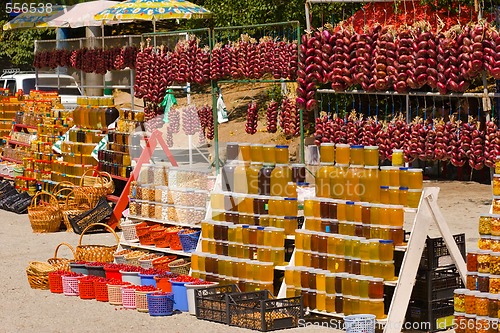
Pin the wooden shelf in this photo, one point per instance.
(8, 159)
(25, 126)
(180, 224)
(19, 143)
(7, 177)
(119, 178)
(154, 248)
(112, 198)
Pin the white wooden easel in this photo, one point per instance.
(428, 211)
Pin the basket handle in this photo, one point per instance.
(66, 206)
(52, 198)
(69, 246)
(106, 176)
(60, 192)
(99, 177)
(63, 184)
(102, 225)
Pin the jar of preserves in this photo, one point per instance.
(471, 281)
(357, 155)
(323, 180)
(397, 158)
(377, 308)
(370, 182)
(375, 288)
(484, 242)
(384, 194)
(459, 322)
(497, 164)
(495, 263)
(483, 282)
(403, 195)
(472, 261)
(495, 205)
(371, 155)
(470, 302)
(495, 284)
(495, 224)
(483, 261)
(413, 197)
(327, 152)
(495, 243)
(493, 302)
(496, 184)
(470, 323)
(485, 224)
(459, 299)
(481, 302)
(342, 153)
(415, 178)
(482, 324)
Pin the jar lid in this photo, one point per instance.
(282, 146)
(302, 184)
(393, 188)
(269, 146)
(355, 166)
(483, 274)
(341, 165)
(386, 241)
(268, 165)
(245, 226)
(256, 163)
(256, 144)
(415, 190)
(494, 296)
(484, 252)
(326, 163)
(327, 144)
(474, 273)
(415, 170)
(370, 147)
(291, 199)
(389, 167)
(260, 228)
(397, 150)
(376, 279)
(376, 300)
(461, 291)
(384, 187)
(349, 203)
(371, 167)
(403, 169)
(403, 188)
(482, 295)
(357, 146)
(298, 165)
(470, 315)
(342, 145)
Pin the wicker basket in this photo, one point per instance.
(71, 206)
(91, 187)
(45, 217)
(120, 256)
(100, 253)
(132, 258)
(162, 263)
(109, 184)
(180, 266)
(61, 264)
(146, 261)
(38, 274)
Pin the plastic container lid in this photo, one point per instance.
(302, 184)
(393, 188)
(384, 187)
(282, 146)
(342, 145)
(370, 147)
(415, 170)
(403, 169)
(371, 167)
(291, 199)
(341, 165)
(397, 150)
(403, 188)
(355, 166)
(349, 203)
(461, 291)
(357, 146)
(386, 241)
(328, 144)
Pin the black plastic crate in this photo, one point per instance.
(431, 316)
(211, 303)
(436, 285)
(265, 313)
(436, 254)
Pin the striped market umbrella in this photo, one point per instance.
(153, 10)
(36, 19)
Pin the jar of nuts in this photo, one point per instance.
(482, 324)
(493, 308)
(132, 207)
(470, 302)
(133, 190)
(495, 209)
(483, 282)
(485, 224)
(495, 243)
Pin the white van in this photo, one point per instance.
(65, 85)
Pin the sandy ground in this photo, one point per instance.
(26, 310)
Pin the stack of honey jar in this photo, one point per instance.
(256, 209)
(124, 143)
(352, 172)
(9, 106)
(477, 307)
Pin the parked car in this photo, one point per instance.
(65, 85)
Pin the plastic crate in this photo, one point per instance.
(212, 302)
(86, 288)
(70, 285)
(55, 282)
(189, 241)
(101, 291)
(438, 315)
(141, 300)
(436, 285)
(264, 313)
(160, 304)
(436, 254)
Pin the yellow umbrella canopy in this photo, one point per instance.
(154, 10)
(36, 19)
